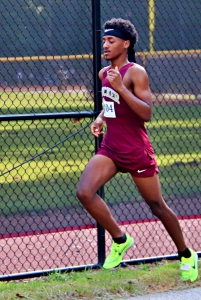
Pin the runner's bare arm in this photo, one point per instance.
(134, 88)
(96, 127)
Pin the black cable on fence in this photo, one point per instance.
(46, 116)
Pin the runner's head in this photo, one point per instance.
(124, 30)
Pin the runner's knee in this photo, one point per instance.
(157, 207)
(84, 195)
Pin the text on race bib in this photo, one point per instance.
(109, 110)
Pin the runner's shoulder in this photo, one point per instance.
(137, 68)
(137, 71)
(100, 73)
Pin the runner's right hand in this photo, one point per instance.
(96, 127)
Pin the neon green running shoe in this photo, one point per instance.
(117, 253)
(189, 267)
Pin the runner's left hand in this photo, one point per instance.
(114, 78)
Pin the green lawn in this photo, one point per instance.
(119, 283)
(40, 102)
(49, 180)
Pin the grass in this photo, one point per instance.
(27, 102)
(120, 283)
(51, 178)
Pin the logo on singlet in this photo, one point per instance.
(110, 93)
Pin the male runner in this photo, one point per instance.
(126, 146)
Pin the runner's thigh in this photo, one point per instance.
(98, 171)
(149, 188)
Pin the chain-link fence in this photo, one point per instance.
(50, 57)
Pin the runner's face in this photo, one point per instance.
(113, 47)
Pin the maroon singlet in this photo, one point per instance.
(126, 141)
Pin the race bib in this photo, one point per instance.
(109, 110)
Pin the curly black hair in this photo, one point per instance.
(128, 29)
(125, 26)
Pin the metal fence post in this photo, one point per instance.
(98, 106)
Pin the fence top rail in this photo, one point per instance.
(40, 116)
(90, 56)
